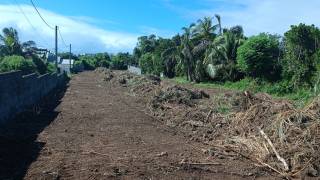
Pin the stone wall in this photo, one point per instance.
(18, 91)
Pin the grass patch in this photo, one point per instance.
(277, 90)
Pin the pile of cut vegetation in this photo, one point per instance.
(138, 85)
(272, 133)
(275, 135)
(107, 74)
(189, 109)
(177, 95)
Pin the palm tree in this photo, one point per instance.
(10, 40)
(218, 17)
(170, 57)
(186, 51)
(204, 35)
(223, 51)
(206, 29)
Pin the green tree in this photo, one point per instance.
(146, 63)
(218, 17)
(88, 62)
(258, 57)
(187, 54)
(120, 61)
(205, 30)
(220, 57)
(300, 59)
(10, 42)
(102, 60)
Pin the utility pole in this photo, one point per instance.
(70, 57)
(56, 46)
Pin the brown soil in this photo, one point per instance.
(99, 131)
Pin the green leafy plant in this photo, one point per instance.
(301, 55)
(13, 63)
(258, 57)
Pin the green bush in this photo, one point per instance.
(242, 85)
(257, 57)
(228, 72)
(51, 68)
(13, 63)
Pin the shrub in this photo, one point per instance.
(13, 63)
(51, 68)
(257, 57)
(228, 72)
(40, 65)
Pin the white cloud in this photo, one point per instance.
(75, 30)
(273, 16)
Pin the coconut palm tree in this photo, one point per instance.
(10, 41)
(223, 51)
(218, 17)
(205, 29)
(170, 57)
(12, 46)
(187, 46)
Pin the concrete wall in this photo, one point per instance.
(18, 91)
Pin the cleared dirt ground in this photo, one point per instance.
(97, 131)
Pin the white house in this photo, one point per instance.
(65, 65)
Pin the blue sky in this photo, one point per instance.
(114, 25)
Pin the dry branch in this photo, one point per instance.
(281, 159)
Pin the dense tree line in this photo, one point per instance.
(207, 52)
(117, 61)
(15, 55)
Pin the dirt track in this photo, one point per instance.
(102, 133)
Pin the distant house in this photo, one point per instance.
(65, 65)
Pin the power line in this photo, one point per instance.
(62, 38)
(60, 34)
(41, 15)
(28, 20)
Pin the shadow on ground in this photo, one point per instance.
(18, 145)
